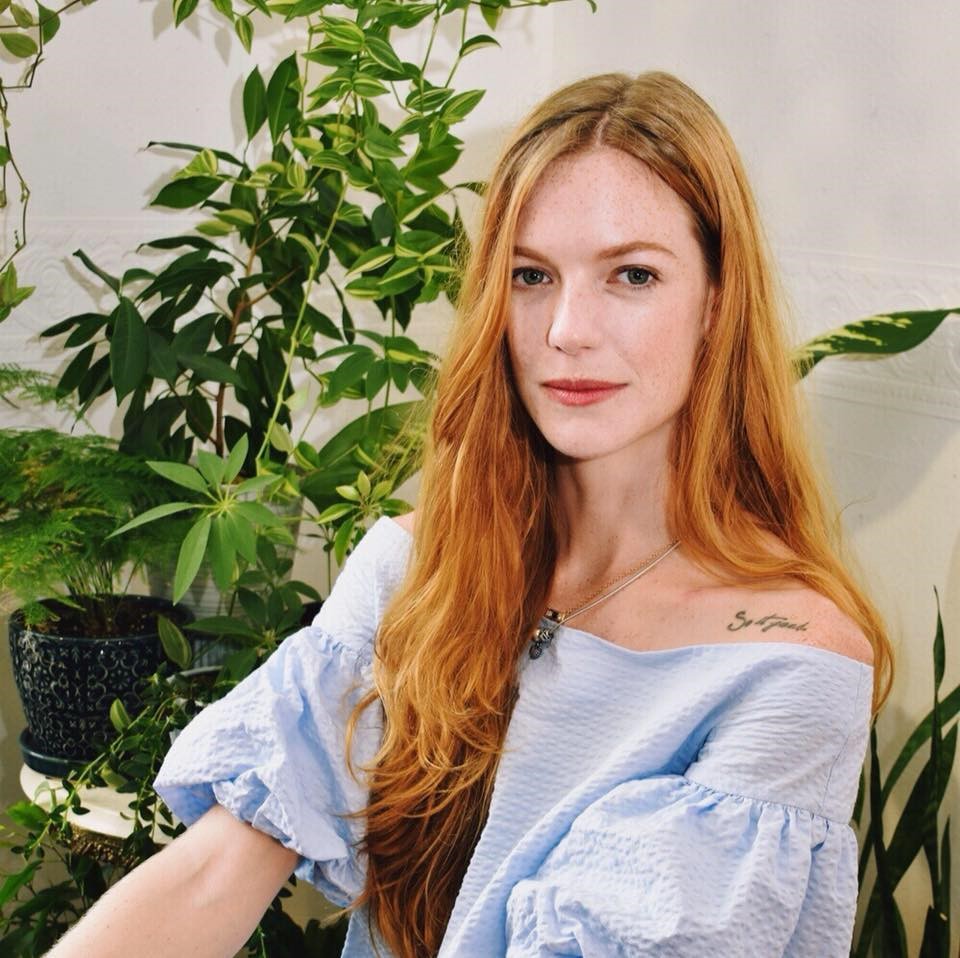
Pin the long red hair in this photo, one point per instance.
(476, 585)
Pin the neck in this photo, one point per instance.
(612, 514)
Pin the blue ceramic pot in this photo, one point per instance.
(68, 678)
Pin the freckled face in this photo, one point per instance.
(609, 284)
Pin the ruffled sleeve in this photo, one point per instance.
(748, 852)
(272, 751)
(669, 867)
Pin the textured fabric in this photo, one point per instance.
(679, 802)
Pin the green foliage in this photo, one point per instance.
(61, 497)
(883, 931)
(330, 218)
(874, 336)
(24, 35)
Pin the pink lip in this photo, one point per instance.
(581, 392)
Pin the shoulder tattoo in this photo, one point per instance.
(765, 623)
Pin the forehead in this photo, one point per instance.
(604, 196)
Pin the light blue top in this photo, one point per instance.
(672, 803)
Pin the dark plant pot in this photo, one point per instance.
(68, 681)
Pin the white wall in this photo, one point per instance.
(846, 117)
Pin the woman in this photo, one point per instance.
(613, 439)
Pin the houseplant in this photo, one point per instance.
(78, 640)
(338, 477)
(882, 932)
(24, 36)
(237, 342)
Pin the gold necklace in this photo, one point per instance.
(545, 633)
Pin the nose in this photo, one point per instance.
(573, 323)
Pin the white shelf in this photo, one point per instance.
(109, 812)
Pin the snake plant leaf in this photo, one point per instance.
(875, 335)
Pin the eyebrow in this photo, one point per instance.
(611, 252)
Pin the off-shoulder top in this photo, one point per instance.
(673, 803)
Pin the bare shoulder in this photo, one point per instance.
(795, 614)
(407, 520)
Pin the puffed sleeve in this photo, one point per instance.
(748, 853)
(671, 868)
(272, 751)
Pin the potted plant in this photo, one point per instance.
(221, 359)
(78, 639)
(882, 930)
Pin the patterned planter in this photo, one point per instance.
(67, 683)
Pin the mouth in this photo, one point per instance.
(581, 392)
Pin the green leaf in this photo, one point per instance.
(27, 815)
(282, 96)
(236, 458)
(384, 54)
(184, 193)
(875, 335)
(210, 368)
(215, 228)
(174, 642)
(210, 466)
(111, 281)
(182, 9)
(119, 716)
(180, 473)
(371, 259)
(457, 107)
(236, 217)
(426, 165)
(312, 251)
(22, 16)
(491, 14)
(475, 43)
(257, 513)
(280, 438)
(18, 880)
(128, 349)
(367, 86)
(341, 541)
(191, 555)
(223, 553)
(242, 535)
(379, 145)
(157, 512)
(256, 483)
(420, 244)
(334, 512)
(342, 33)
(254, 102)
(349, 492)
(243, 26)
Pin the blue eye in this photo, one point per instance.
(636, 275)
(529, 276)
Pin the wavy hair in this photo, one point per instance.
(449, 641)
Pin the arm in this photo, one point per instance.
(201, 897)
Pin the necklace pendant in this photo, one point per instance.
(544, 635)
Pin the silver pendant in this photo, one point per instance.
(545, 633)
